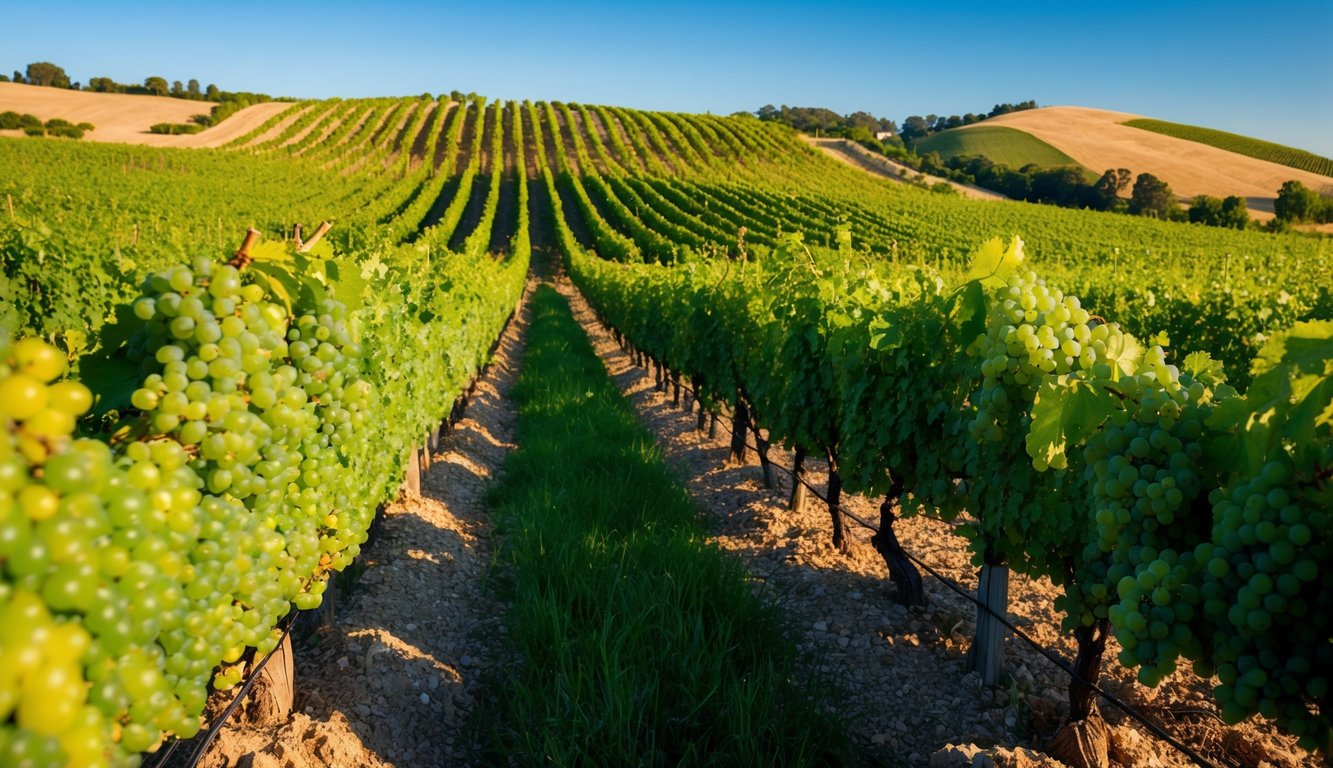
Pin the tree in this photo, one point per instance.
(1152, 197)
(1297, 203)
(156, 86)
(4, 78)
(767, 112)
(1234, 213)
(46, 73)
(18, 77)
(914, 127)
(1109, 187)
(192, 88)
(211, 93)
(1206, 209)
(177, 89)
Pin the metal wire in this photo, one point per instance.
(1059, 662)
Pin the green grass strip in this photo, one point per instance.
(638, 642)
(1241, 145)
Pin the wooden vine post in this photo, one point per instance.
(274, 690)
(412, 477)
(798, 489)
(241, 259)
(986, 656)
(320, 232)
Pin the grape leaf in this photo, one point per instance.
(993, 264)
(1066, 412)
(1123, 352)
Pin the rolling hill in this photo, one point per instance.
(125, 118)
(1097, 139)
(1014, 148)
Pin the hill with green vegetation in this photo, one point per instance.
(1009, 146)
(1242, 145)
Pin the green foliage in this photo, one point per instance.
(637, 641)
(1298, 204)
(1152, 197)
(173, 129)
(48, 74)
(944, 395)
(998, 143)
(1243, 145)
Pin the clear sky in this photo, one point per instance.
(1261, 69)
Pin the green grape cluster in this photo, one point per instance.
(1146, 475)
(1267, 586)
(263, 406)
(51, 516)
(135, 575)
(1031, 331)
(92, 579)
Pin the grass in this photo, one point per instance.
(637, 642)
(1241, 145)
(1005, 145)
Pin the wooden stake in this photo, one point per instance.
(296, 235)
(9, 200)
(241, 259)
(323, 230)
(986, 656)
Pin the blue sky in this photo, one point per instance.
(1262, 69)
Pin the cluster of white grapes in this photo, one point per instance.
(1147, 475)
(1266, 588)
(133, 570)
(1032, 330)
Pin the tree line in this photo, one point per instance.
(45, 73)
(862, 126)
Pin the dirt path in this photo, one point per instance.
(857, 156)
(392, 683)
(906, 692)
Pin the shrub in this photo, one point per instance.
(174, 129)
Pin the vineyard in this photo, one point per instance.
(1263, 150)
(217, 364)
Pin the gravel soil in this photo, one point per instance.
(906, 694)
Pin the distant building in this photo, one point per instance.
(883, 135)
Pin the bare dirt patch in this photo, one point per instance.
(1095, 138)
(394, 681)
